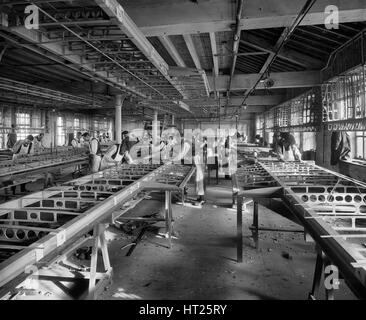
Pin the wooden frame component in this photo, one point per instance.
(86, 215)
(318, 198)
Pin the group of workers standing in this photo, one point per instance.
(24, 146)
(171, 148)
(115, 153)
(284, 146)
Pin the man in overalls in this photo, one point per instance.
(95, 153)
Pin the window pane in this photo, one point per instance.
(359, 147)
(61, 131)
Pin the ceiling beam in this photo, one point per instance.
(172, 50)
(270, 58)
(264, 100)
(116, 12)
(290, 55)
(236, 42)
(60, 51)
(193, 52)
(260, 100)
(242, 82)
(169, 17)
(214, 53)
(215, 61)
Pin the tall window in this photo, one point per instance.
(23, 123)
(344, 97)
(2, 135)
(297, 136)
(76, 126)
(259, 122)
(36, 119)
(96, 127)
(61, 131)
(309, 141)
(361, 145)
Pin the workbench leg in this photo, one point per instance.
(317, 276)
(105, 254)
(329, 293)
(93, 262)
(168, 215)
(255, 224)
(234, 198)
(239, 232)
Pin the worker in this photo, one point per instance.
(103, 139)
(276, 141)
(230, 154)
(168, 149)
(114, 155)
(95, 153)
(38, 142)
(287, 149)
(75, 142)
(198, 163)
(124, 135)
(23, 147)
(12, 137)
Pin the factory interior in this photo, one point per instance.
(182, 150)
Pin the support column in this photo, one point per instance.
(173, 120)
(155, 128)
(118, 118)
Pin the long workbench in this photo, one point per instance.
(37, 229)
(331, 207)
(42, 162)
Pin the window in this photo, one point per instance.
(344, 97)
(61, 131)
(309, 141)
(296, 110)
(96, 127)
(269, 119)
(297, 138)
(36, 119)
(282, 116)
(84, 124)
(76, 126)
(361, 145)
(259, 124)
(23, 123)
